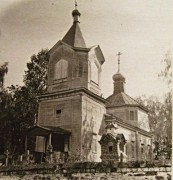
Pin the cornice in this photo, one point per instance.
(128, 105)
(67, 93)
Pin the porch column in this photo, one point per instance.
(118, 150)
(50, 147)
(137, 146)
(152, 148)
(66, 144)
(69, 146)
(26, 142)
(125, 147)
(50, 139)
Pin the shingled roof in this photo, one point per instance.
(122, 99)
(45, 130)
(74, 37)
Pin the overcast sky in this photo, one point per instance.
(141, 29)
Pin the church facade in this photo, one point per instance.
(132, 121)
(73, 114)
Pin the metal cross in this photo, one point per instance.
(119, 54)
(75, 4)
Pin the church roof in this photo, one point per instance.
(45, 130)
(124, 124)
(122, 99)
(74, 37)
(115, 137)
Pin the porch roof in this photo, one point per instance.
(46, 130)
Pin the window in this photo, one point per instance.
(58, 113)
(110, 147)
(61, 69)
(132, 115)
(94, 73)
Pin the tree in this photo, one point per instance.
(22, 107)
(4, 100)
(166, 73)
(35, 78)
(159, 116)
(3, 71)
(35, 84)
(160, 113)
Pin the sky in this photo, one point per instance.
(140, 29)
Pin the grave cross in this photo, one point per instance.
(28, 156)
(6, 157)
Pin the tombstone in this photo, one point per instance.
(28, 156)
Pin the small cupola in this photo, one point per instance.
(119, 79)
(76, 14)
(74, 36)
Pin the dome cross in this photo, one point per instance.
(75, 4)
(119, 54)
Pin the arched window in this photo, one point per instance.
(94, 73)
(61, 69)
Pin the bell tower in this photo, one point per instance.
(72, 65)
(73, 100)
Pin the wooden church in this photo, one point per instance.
(73, 115)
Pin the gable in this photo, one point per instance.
(98, 53)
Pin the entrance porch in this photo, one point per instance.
(51, 143)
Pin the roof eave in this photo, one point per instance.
(127, 105)
(120, 121)
(99, 53)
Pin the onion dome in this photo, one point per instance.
(118, 77)
(75, 12)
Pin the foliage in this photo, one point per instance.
(74, 157)
(3, 71)
(160, 121)
(166, 73)
(19, 105)
(35, 78)
(160, 113)
(5, 119)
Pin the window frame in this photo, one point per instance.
(132, 111)
(110, 147)
(60, 65)
(58, 115)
